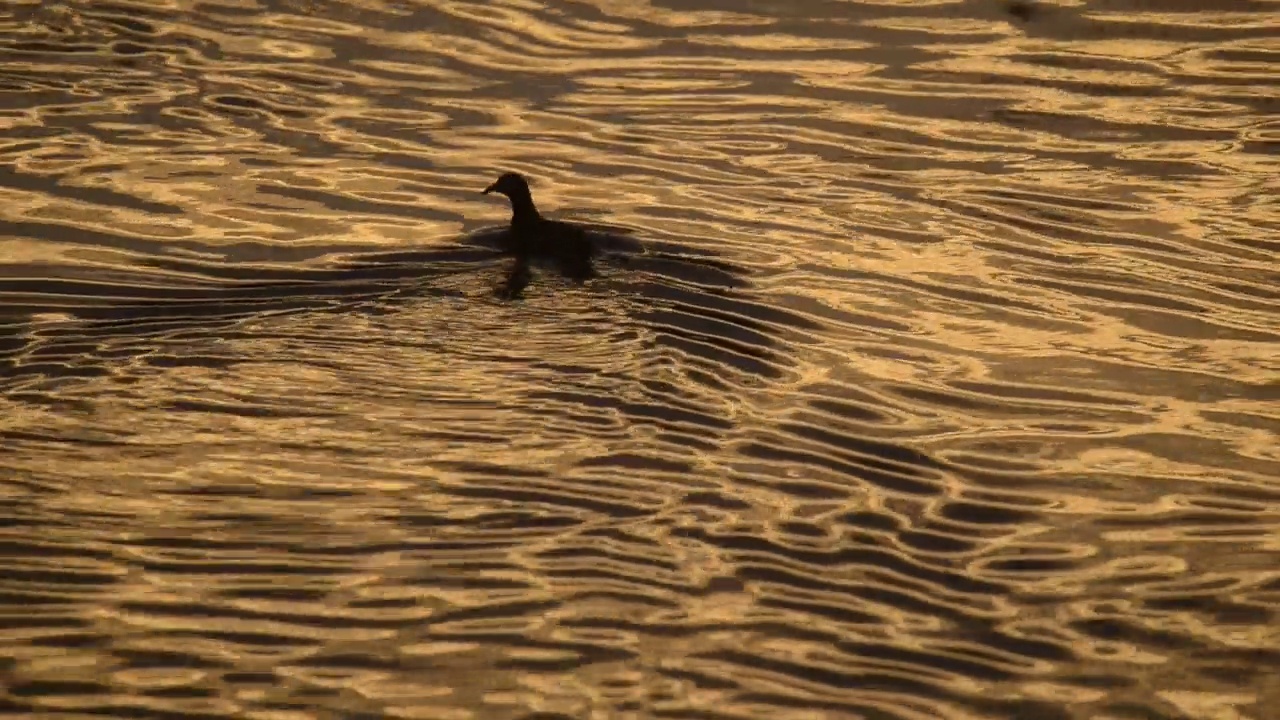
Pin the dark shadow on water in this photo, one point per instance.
(619, 249)
(694, 302)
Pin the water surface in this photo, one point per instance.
(947, 389)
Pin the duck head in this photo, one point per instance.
(510, 184)
(516, 188)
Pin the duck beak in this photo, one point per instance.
(490, 189)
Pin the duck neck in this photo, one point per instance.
(523, 211)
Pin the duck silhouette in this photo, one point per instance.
(532, 236)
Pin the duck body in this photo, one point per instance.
(574, 247)
(533, 236)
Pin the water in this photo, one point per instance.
(947, 389)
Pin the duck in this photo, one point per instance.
(532, 236)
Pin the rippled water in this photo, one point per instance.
(946, 390)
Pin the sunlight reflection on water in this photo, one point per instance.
(933, 377)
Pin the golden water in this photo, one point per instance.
(986, 427)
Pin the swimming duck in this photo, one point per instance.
(533, 236)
